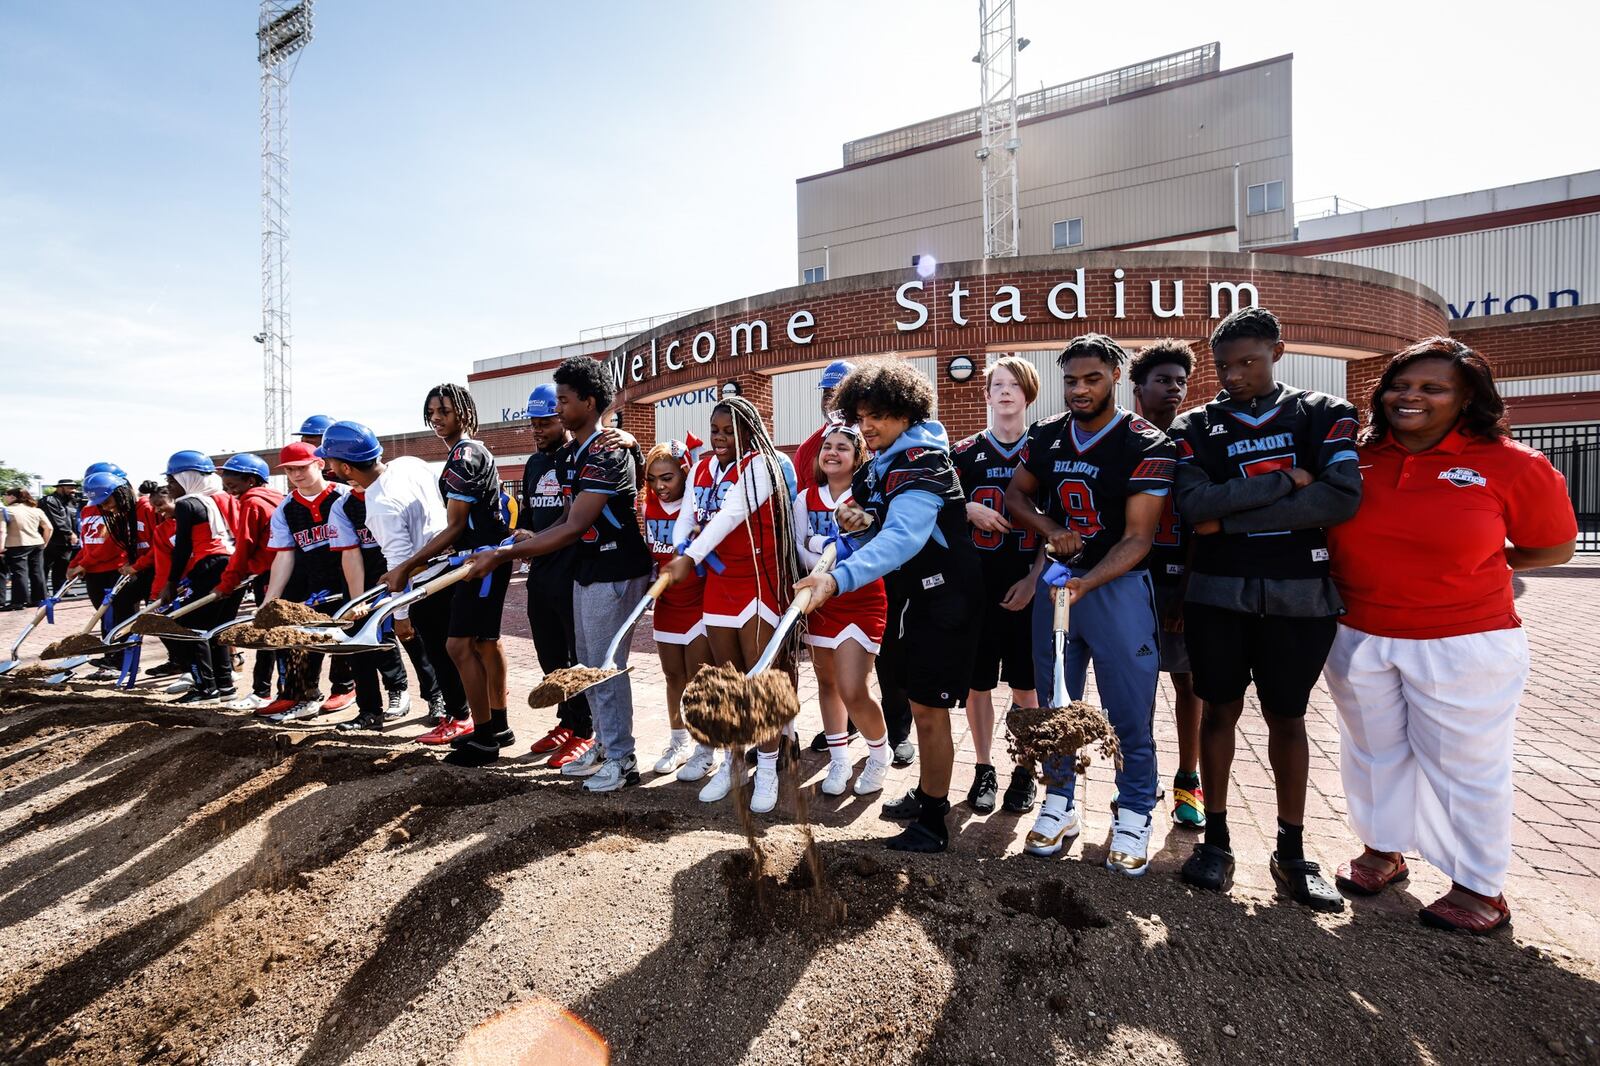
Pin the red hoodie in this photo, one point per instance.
(159, 557)
(100, 553)
(251, 523)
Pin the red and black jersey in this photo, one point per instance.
(929, 470)
(1085, 478)
(612, 549)
(350, 533)
(470, 475)
(305, 527)
(985, 464)
(203, 527)
(1309, 430)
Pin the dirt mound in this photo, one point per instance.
(1040, 736)
(159, 625)
(76, 644)
(277, 613)
(32, 672)
(250, 635)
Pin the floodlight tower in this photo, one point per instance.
(284, 29)
(997, 109)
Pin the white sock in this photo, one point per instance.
(679, 737)
(838, 747)
(790, 729)
(767, 760)
(1055, 804)
(877, 750)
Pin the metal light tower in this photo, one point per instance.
(284, 29)
(997, 61)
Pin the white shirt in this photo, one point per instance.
(404, 510)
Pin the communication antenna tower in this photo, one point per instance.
(997, 62)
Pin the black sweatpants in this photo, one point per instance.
(123, 606)
(554, 638)
(211, 664)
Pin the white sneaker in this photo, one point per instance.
(585, 765)
(1128, 853)
(675, 754)
(1054, 829)
(838, 779)
(303, 709)
(614, 774)
(871, 778)
(719, 784)
(102, 673)
(399, 704)
(182, 684)
(249, 702)
(698, 765)
(764, 796)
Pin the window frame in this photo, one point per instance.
(1070, 243)
(1266, 208)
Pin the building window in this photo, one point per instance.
(1067, 233)
(1265, 198)
(816, 274)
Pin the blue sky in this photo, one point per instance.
(479, 178)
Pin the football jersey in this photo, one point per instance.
(926, 470)
(1309, 430)
(986, 465)
(543, 503)
(612, 549)
(1085, 479)
(470, 475)
(1169, 549)
(350, 533)
(306, 527)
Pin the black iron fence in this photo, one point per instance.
(1574, 449)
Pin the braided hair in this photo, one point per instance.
(460, 401)
(124, 524)
(750, 435)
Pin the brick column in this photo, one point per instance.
(757, 388)
(640, 420)
(961, 404)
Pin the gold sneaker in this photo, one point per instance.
(1130, 844)
(1055, 828)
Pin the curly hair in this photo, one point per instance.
(1484, 415)
(1247, 323)
(1097, 345)
(589, 378)
(460, 401)
(1168, 350)
(887, 386)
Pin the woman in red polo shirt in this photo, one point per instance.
(1429, 662)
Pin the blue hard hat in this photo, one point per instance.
(542, 401)
(98, 486)
(186, 461)
(248, 463)
(315, 426)
(351, 442)
(834, 374)
(98, 468)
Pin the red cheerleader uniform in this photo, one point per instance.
(677, 618)
(748, 552)
(857, 615)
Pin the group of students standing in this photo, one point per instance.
(1256, 539)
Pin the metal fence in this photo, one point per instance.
(1574, 449)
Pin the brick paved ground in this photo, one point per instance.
(1555, 873)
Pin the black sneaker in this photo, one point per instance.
(227, 695)
(907, 806)
(505, 738)
(473, 755)
(904, 753)
(985, 787)
(362, 723)
(196, 695)
(437, 710)
(167, 669)
(1020, 793)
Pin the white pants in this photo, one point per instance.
(1426, 730)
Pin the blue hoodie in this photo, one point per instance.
(912, 518)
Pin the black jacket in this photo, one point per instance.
(63, 518)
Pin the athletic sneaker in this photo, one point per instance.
(362, 723)
(764, 796)
(985, 789)
(574, 748)
(614, 775)
(698, 764)
(248, 702)
(1055, 828)
(437, 711)
(102, 673)
(583, 765)
(904, 752)
(1020, 792)
(446, 731)
(338, 702)
(182, 684)
(227, 695)
(551, 741)
(1129, 851)
(302, 710)
(838, 779)
(398, 704)
(277, 706)
(197, 695)
(720, 783)
(1188, 803)
(870, 779)
(674, 755)
(166, 669)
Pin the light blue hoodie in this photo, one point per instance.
(912, 518)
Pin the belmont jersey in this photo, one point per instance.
(350, 533)
(543, 502)
(927, 470)
(1309, 430)
(738, 550)
(1086, 478)
(613, 548)
(306, 527)
(1169, 549)
(470, 475)
(986, 465)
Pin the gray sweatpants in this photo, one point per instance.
(597, 611)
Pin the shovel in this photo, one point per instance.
(372, 635)
(71, 661)
(724, 709)
(46, 610)
(567, 682)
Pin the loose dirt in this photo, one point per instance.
(1040, 736)
(185, 886)
(277, 613)
(723, 708)
(565, 683)
(76, 644)
(250, 635)
(159, 625)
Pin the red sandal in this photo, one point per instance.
(1443, 914)
(1364, 880)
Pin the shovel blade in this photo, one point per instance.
(72, 663)
(58, 679)
(9, 665)
(349, 647)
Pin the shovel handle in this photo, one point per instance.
(802, 599)
(1063, 601)
(193, 605)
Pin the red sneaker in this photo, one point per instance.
(338, 702)
(446, 731)
(277, 706)
(574, 747)
(551, 740)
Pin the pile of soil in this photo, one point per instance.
(277, 613)
(76, 644)
(723, 708)
(159, 625)
(250, 635)
(565, 683)
(180, 890)
(1039, 736)
(32, 672)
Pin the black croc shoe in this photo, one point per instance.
(1209, 867)
(1302, 881)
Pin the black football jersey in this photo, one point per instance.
(543, 501)
(1085, 479)
(612, 549)
(986, 464)
(470, 475)
(926, 470)
(1169, 549)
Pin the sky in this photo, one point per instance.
(480, 178)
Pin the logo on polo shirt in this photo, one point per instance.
(1462, 476)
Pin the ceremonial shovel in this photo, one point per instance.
(47, 608)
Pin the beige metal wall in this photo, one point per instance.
(1138, 170)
